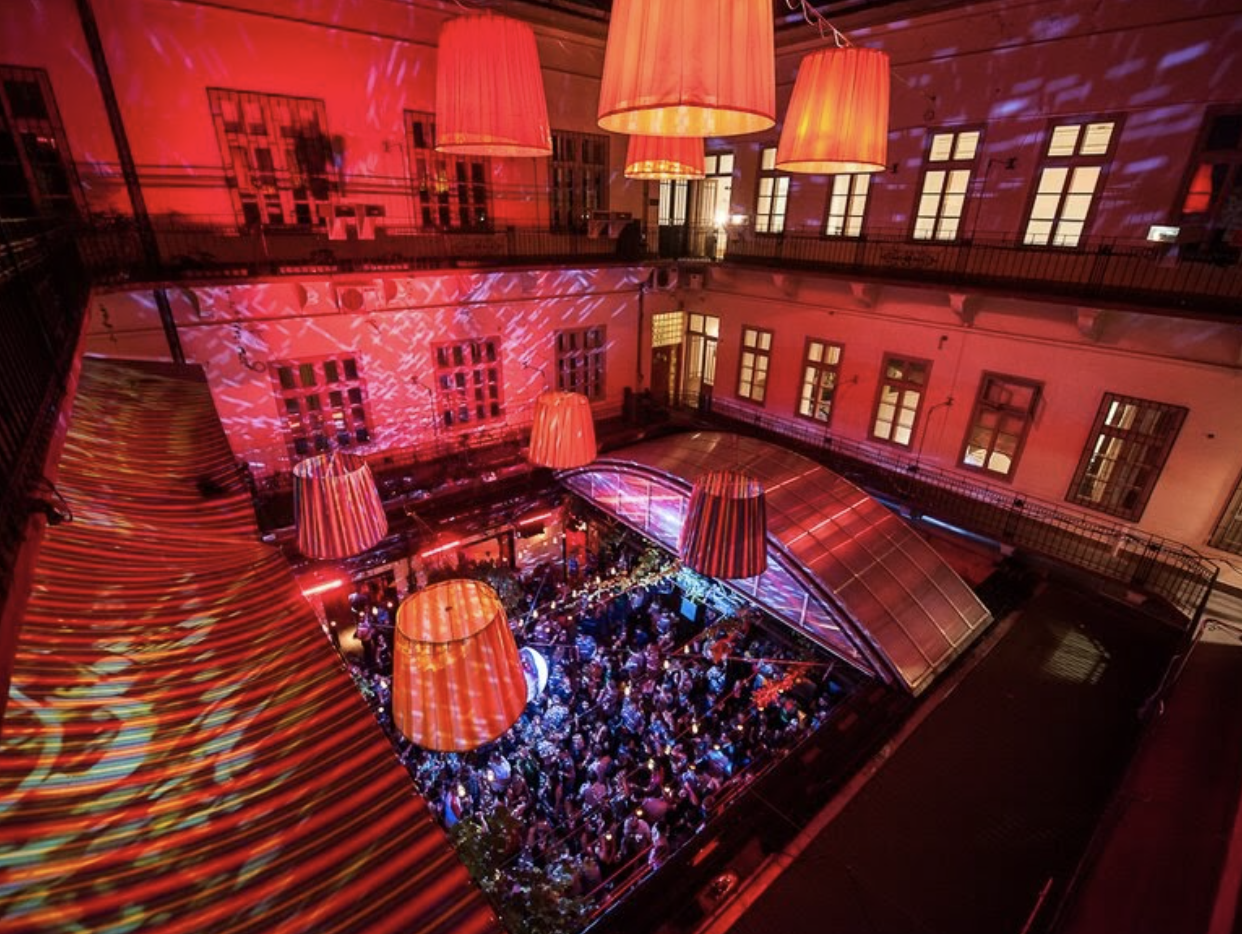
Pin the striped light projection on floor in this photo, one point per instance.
(182, 751)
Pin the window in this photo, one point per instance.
(901, 396)
(580, 361)
(1003, 413)
(1228, 533)
(1127, 448)
(468, 382)
(1211, 214)
(37, 174)
(1073, 164)
(773, 195)
(752, 380)
(946, 179)
(579, 179)
(277, 156)
(847, 199)
(819, 380)
(452, 191)
(702, 335)
(673, 195)
(323, 402)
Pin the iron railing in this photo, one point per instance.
(1186, 277)
(43, 294)
(1145, 563)
(1167, 276)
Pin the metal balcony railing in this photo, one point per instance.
(42, 302)
(1178, 575)
(1197, 278)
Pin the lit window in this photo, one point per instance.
(946, 181)
(452, 191)
(902, 391)
(999, 424)
(323, 403)
(1210, 208)
(819, 380)
(773, 195)
(1128, 446)
(1073, 165)
(752, 380)
(580, 361)
(468, 382)
(847, 200)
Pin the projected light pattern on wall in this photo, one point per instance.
(182, 750)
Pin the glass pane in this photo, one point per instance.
(306, 373)
(1095, 141)
(1084, 179)
(834, 354)
(959, 179)
(1076, 207)
(1052, 181)
(1045, 207)
(713, 326)
(1064, 140)
(933, 182)
(941, 147)
(768, 159)
(1038, 232)
(814, 353)
(765, 340)
(924, 228)
(725, 167)
(285, 375)
(967, 144)
(902, 436)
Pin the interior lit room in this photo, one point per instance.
(615, 466)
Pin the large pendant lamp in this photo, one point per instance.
(665, 158)
(489, 89)
(337, 507)
(457, 679)
(689, 68)
(837, 122)
(725, 534)
(563, 434)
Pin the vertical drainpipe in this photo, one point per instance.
(146, 234)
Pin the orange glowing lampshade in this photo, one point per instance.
(665, 157)
(489, 89)
(689, 68)
(563, 435)
(457, 679)
(837, 122)
(338, 509)
(726, 530)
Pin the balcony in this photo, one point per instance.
(1188, 278)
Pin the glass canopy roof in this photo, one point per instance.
(843, 569)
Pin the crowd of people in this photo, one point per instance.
(655, 712)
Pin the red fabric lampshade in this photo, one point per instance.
(665, 157)
(338, 509)
(726, 528)
(489, 89)
(563, 435)
(689, 68)
(457, 680)
(837, 122)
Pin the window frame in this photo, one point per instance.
(981, 405)
(948, 166)
(47, 128)
(1071, 163)
(761, 353)
(771, 223)
(577, 186)
(285, 196)
(1205, 234)
(849, 197)
(582, 368)
(1101, 429)
(815, 382)
(904, 385)
(445, 209)
(452, 401)
(354, 415)
(1227, 533)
